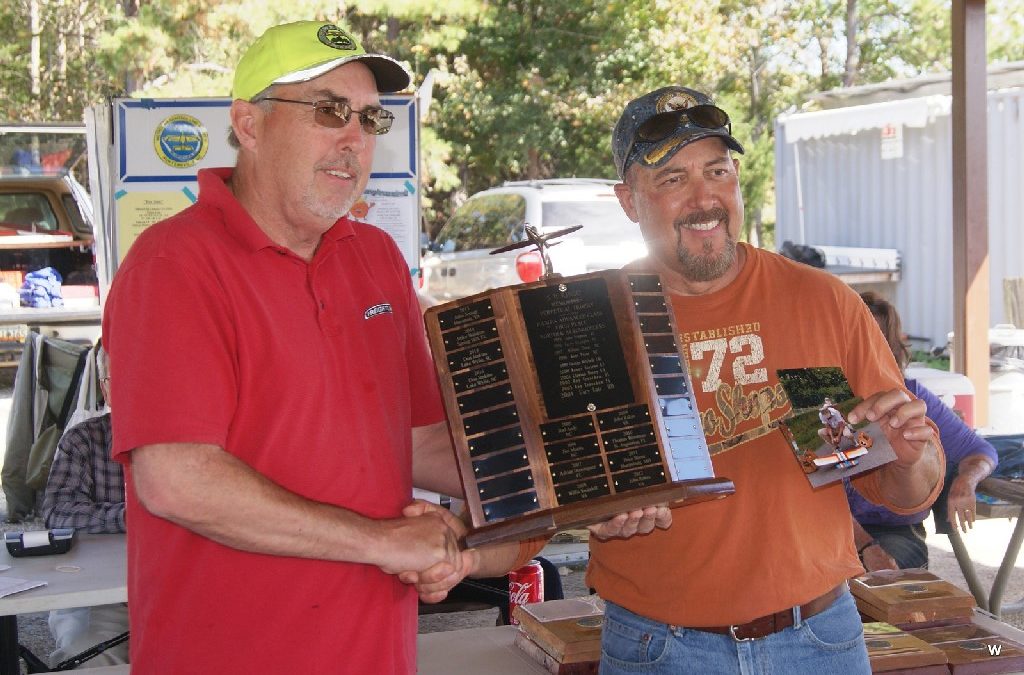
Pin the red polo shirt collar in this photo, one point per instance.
(240, 225)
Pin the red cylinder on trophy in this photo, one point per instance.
(525, 585)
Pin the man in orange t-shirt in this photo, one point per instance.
(755, 582)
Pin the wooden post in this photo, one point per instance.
(1013, 301)
(970, 201)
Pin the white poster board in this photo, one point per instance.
(145, 155)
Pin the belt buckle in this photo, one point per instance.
(732, 634)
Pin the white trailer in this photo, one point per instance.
(874, 169)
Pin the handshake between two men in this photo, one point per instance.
(434, 558)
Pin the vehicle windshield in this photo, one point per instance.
(30, 211)
(41, 150)
(604, 222)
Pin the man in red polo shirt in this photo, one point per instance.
(276, 399)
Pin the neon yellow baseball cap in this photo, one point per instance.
(301, 51)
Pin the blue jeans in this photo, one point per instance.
(828, 643)
(905, 543)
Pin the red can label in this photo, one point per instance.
(525, 585)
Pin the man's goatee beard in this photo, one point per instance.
(706, 266)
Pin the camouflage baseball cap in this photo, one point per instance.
(655, 126)
(303, 50)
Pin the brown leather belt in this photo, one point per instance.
(773, 623)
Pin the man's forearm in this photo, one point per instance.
(433, 460)
(908, 487)
(211, 492)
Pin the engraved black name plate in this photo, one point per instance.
(470, 335)
(647, 455)
(579, 426)
(576, 470)
(572, 449)
(477, 378)
(461, 315)
(626, 417)
(474, 356)
(629, 438)
(576, 492)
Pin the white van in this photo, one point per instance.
(458, 262)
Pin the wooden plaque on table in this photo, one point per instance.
(908, 596)
(568, 629)
(973, 650)
(891, 650)
(569, 401)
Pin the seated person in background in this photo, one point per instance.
(85, 491)
(889, 541)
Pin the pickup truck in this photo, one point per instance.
(45, 221)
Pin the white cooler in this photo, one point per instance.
(1006, 380)
(953, 389)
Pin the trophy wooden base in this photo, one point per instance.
(550, 521)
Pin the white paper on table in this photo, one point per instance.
(35, 538)
(10, 585)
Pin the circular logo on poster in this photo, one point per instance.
(181, 141)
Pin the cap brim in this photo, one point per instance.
(661, 151)
(655, 154)
(390, 75)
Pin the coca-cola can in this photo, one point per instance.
(525, 585)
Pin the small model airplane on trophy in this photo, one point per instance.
(542, 242)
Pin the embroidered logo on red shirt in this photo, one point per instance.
(383, 308)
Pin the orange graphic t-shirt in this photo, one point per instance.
(776, 542)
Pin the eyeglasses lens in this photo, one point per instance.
(663, 125)
(336, 114)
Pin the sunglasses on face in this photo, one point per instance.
(336, 114)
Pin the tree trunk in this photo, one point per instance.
(62, 50)
(852, 48)
(823, 47)
(35, 51)
(533, 169)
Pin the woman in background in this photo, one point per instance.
(886, 540)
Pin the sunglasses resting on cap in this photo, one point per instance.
(663, 125)
(653, 127)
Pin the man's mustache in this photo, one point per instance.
(696, 217)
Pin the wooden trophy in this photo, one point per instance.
(568, 401)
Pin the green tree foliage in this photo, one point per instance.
(521, 88)
(808, 387)
(45, 70)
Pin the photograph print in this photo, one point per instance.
(825, 444)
